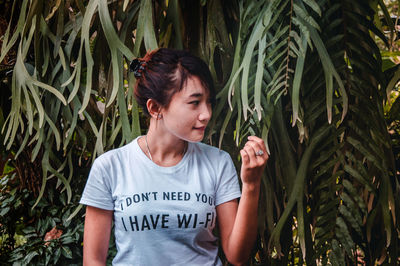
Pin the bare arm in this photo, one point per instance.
(238, 222)
(96, 236)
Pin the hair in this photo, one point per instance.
(166, 72)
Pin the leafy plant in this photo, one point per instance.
(38, 243)
(307, 76)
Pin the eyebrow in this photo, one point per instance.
(196, 95)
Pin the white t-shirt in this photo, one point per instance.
(163, 215)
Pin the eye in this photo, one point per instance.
(195, 102)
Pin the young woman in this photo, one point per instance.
(166, 191)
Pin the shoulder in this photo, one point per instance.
(115, 157)
(211, 152)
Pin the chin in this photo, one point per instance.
(194, 138)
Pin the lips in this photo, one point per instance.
(200, 128)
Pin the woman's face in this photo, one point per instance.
(189, 111)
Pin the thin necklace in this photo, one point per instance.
(148, 149)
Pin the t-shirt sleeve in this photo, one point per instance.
(228, 185)
(97, 192)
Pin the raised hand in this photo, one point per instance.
(254, 159)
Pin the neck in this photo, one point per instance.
(165, 149)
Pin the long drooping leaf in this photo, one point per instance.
(284, 70)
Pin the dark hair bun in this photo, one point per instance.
(137, 66)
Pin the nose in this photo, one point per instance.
(205, 113)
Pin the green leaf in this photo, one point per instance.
(115, 45)
(29, 257)
(344, 235)
(330, 73)
(259, 75)
(4, 211)
(57, 255)
(66, 252)
(314, 6)
(356, 224)
(255, 36)
(75, 212)
(6, 45)
(393, 81)
(302, 13)
(85, 45)
(336, 257)
(145, 29)
(297, 78)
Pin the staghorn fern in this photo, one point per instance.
(304, 75)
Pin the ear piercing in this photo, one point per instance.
(159, 116)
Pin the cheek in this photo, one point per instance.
(185, 120)
(181, 118)
(180, 122)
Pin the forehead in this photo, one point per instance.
(193, 87)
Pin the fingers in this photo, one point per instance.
(250, 152)
(253, 163)
(256, 139)
(258, 147)
(252, 149)
(245, 157)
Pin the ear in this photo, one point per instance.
(154, 109)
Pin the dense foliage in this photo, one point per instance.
(318, 80)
